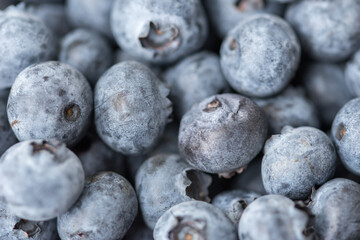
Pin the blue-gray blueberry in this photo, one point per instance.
(329, 30)
(352, 74)
(193, 79)
(50, 100)
(346, 133)
(131, 108)
(290, 107)
(165, 180)
(336, 206)
(87, 51)
(24, 40)
(159, 31)
(105, 210)
(39, 180)
(274, 217)
(194, 220)
(260, 55)
(222, 133)
(297, 160)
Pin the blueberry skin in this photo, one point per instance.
(159, 31)
(234, 202)
(336, 208)
(226, 14)
(194, 220)
(352, 74)
(24, 40)
(7, 136)
(105, 210)
(222, 134)
(53, 15)
(279, 218)
(88, 52)
(328, 30)
(131, 108)
(193, 79)
(50, 100)
(182, 184)
(40, 179)
(90, 14)
(291, 107)
(324, 83)
(260, 55)
(297, 160)
(96, 157)
(345, 133)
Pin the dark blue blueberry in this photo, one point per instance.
(274, 217)
(50, 100)
(291, 107)
(234, 202)
(105, 210)
(39, 180)
(159, 31)
(329, 30)
(222, 134)
(88, 52)
(90, 14)
(325, 86)
(24, 40)
(226, 14)
(194, 220)
(297, 160)
(260, 55)
(166, 180)
(131, 108)
(346, 133)
(336, 206)
(193, 79)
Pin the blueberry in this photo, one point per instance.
(226, 14)
(193, 79)
(95, 156)
(297, 160)
(7, 137)
(328, 30)
(88, 52)
(40, 179)
(352, 74)
(234, 202)
(345, 132)
(104, 211)
(222, 134)
(336, 208)
(274, 217)
(291, 107)
(90, 14)
(182, 184)
(53, 15)
(159, 31)
(14, 228)
(131, 108)
(194, 220)
(260, 56)
(24, 40)
(324, 83)
(50, 100)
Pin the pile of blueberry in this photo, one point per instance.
(180, 119)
